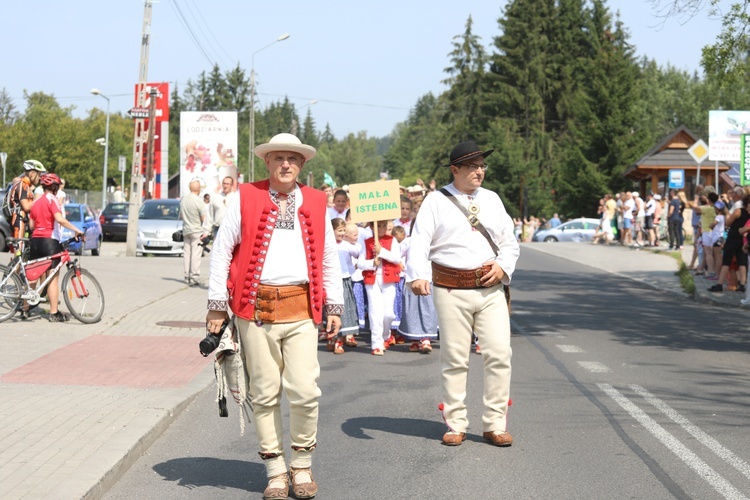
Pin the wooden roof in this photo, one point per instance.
(671, 152)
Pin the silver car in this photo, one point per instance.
(577, 230)
(157, 221)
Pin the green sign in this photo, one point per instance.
(744, 160)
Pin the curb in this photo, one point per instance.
(141, 446)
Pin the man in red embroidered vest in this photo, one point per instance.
(275, 265)
(472, 252)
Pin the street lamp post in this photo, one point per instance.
(252, 103)
(106, 150)
(295, 124)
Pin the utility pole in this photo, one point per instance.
(136, 178)
(150, 186)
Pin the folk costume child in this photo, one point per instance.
(349, 321)
(418, 316)
(379, 262)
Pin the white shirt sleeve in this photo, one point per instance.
(227, 238)
(332, 284)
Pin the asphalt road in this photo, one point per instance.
(618, 392)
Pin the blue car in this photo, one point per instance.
(83, 218)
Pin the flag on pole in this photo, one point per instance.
(328, 179)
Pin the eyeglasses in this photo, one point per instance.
(473, 167)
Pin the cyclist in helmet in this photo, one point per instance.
(22, 196)
(47, 218)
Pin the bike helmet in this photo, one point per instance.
(50, 180)
(34, 165)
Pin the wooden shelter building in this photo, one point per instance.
(651, 171)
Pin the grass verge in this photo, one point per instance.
(686, 277)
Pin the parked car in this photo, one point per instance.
(83, 218)
(582, 229)
(157, 221)
(114, 220)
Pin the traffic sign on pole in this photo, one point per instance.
(699, 152)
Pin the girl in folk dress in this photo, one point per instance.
(380, 269)
(349, 323)
(400, 233)
(418, 315)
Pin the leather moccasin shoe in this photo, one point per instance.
(278, 488)
(498, 438)
(453, 438)
(306, 489)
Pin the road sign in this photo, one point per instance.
(676, 178)
(138, 113)
(122, 163)
(699, 151)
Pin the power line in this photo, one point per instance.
(210, 32)
(340, 102)
(186, 25)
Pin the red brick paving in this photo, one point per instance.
(110, 361)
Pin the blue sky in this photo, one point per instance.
(366, 63)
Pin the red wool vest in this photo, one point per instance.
(391, 271)
(258, 222)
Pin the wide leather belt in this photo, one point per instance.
(448, 277)
(283, 304)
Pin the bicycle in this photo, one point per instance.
(82, 293)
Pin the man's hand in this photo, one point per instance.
(493, 277)
(333, 325)
(214, 320)
(420, 287)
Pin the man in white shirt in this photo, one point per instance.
(220, 201)
(468, 272)
(275, 265)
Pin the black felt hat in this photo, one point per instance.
(466, 151)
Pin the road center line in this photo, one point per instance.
(695, 431)
(721, 485)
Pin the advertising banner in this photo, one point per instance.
(724, 131)
(208, 149)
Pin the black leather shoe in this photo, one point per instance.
(716, 288)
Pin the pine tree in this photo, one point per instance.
(464, 111)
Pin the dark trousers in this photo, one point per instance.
(675, 233)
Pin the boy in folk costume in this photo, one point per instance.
(379, 261)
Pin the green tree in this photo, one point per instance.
(465, 112)
(727, 58)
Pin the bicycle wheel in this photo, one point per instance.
(83, 295)
(10, 293)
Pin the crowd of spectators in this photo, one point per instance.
(717, 225)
